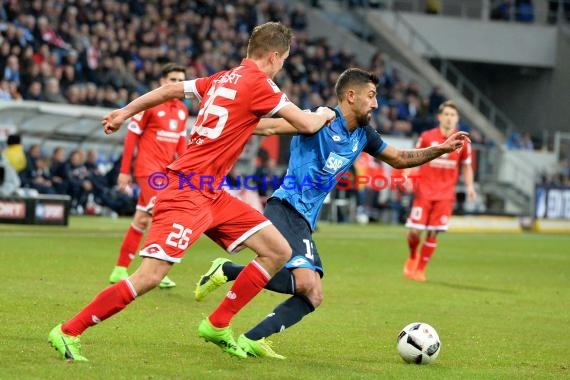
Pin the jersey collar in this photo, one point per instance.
(246, 62)
(341, 121)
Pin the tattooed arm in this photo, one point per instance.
(409, 158)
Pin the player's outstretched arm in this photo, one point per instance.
(113, 121)
(306, 122)
(408, 158)
(274, 126)
(279, 126)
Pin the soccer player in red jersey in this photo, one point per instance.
(435, 192)
(232, 103)
(159, 135)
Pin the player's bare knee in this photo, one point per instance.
(315, 296)
(414, 232)
(432, 234)
(304, 283)
(142, 220)
(144, 282)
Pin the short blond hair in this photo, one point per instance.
(271, 36)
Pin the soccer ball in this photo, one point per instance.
(418, 343)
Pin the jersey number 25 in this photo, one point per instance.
(210, 108)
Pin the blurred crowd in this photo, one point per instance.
(87, 179)
(523, 11)
(106, 53)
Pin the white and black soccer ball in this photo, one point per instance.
(418, 343)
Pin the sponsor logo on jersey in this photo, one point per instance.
(167, 136)
(334, 163)
(135, 128)
(443, 163)
(336, 138)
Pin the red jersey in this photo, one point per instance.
(439, 177)
(231, 104)
(160, 130)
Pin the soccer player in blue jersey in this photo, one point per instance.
(314, 166)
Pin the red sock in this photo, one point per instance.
(413, 242)
(107, 303)
(427, 251)
(129, 247)
(246, 286)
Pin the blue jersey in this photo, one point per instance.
(317, 161)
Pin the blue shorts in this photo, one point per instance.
(296, 230)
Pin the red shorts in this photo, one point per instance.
(147, 196)
(430, 215)
(180, 217)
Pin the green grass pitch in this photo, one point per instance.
(500, 303)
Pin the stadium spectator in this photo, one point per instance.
(435, 194)
(264, 174)
(502, 10)
(524, 10)
(52, 91)
(12, 70)
(518, 141)
(159, 136)
(238, 99)
(58, 170)
(553, 10)
(315, 164)
(526, 141)
(39, 177)
(32, 155)
(436, 97)
(79, 185)
(35, 91)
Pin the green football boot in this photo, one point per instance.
(166, 283)
(68, 346)
(212, 280)
(223, 338)
(258, 348)
(118, 274)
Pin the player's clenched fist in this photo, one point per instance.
(113, 121)
(327, 112)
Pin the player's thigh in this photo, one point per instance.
(237, 225)
(419, 214)
(440, 215)
(298, 234)
(306, 280)
(142, 219)
(147, 195)
(179, 219)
